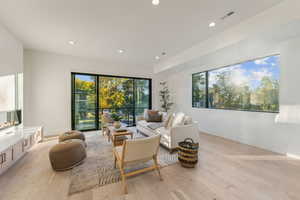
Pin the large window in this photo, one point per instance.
(248, 86)
(116, 95)
(93, 95)
(84, 98)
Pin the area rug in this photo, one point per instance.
(98, 169)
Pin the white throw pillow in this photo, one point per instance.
(188, 120)
(165, 116)
(178, 119)
(145, 114)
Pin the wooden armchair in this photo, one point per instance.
(134, 152)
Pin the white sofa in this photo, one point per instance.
(172, 135)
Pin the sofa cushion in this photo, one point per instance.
(178, 119)
(164, 132)
(155, 126)
(142, 123)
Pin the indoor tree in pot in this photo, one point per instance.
(117, 120)
(164, 94)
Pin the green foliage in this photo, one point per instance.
(116, 117)
(199, 90)
(115, 95)
(226, 94)
(115, 92)
(164, 94)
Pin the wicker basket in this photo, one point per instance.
(188, 153)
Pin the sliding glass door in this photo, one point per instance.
(142, 96)
(84, 98)
(93, 95)
(116, 95)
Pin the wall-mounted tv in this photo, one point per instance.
(7, 93)
(11, 100)
(10, 118)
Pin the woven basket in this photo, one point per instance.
(188, 153)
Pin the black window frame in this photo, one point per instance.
(207, 88)
(97, 107)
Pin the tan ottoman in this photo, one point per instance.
(67, 154)
(71, 135)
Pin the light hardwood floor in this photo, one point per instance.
(226, 171)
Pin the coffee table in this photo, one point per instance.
(116, 137)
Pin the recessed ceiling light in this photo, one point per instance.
(121, 51)
(71, 42)
(212, 24)
(157, 57)
(155, 2)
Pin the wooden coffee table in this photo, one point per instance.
(116, 137)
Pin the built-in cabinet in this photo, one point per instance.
(15, 143)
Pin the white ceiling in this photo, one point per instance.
(101, 27)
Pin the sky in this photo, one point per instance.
(85, 78)
(251, 72)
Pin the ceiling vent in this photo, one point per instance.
(227, 15)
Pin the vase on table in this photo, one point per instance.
(117, 124)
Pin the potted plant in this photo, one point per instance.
(117, 118)
(164, 94)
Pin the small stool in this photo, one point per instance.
(67, 154)
(71, 135)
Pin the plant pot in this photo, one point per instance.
(117, 124)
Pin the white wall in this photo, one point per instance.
(47, 77)
(276, 30)
(11, 53)
(280, 14)
(257, 129)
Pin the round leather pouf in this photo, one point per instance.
(71, 135)
(67, 154)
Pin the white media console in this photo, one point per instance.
(15, 142)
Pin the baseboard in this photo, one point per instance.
(294, 156)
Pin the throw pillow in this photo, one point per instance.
(178, 119)
(154, 116)
(146, 114)
(188, 120)
(164, 116)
